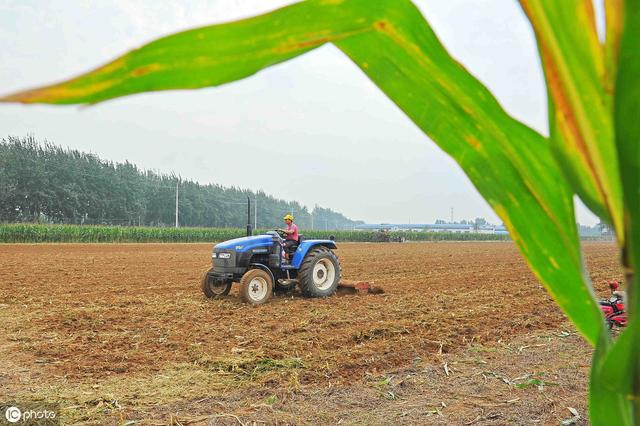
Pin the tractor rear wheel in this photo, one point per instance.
(319, 273)
(256, 287)
(214, 289)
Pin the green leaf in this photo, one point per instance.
(511, 165)
(627, 121)
(579, 84)
(616, 364)
(611, 382)
(627, 124)
(614, 19)
(271, 400)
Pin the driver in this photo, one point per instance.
(615, 290)
(291, 232)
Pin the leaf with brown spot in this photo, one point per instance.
(578, 71)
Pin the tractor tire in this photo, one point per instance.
(285, 288)
(319, 273)
(256, 287)
(213, 289)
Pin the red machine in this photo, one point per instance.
(613, 307)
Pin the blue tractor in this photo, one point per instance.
(258, 264)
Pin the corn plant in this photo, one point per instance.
(41, 233)
(529, 180)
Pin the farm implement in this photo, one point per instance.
(261, 265)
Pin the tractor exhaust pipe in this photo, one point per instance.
(249, 229)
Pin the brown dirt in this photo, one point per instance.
(123, 331)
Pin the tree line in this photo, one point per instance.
(45, 183)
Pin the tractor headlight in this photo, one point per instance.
(224, 255)
(214, 255)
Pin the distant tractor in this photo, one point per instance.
(385, 236)
(258, 264)
(382, 236)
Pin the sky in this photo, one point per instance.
(313, 129)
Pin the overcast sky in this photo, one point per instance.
(314, 129)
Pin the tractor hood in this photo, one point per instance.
(245, 243)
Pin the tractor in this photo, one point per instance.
(258, 263)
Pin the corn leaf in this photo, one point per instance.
(616, 364)
(610, 385)
(511, 165)
(627, 122)
(627, 125)
(579, 77)
(614, 16)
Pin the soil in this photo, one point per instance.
(463, 334)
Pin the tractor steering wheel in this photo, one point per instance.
(281, 233)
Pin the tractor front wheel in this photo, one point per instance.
(212, 288)
(256, 287)
(319, 273)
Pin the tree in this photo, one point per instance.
(480, 221)
(42, 181)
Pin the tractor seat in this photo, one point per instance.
(292, 248)
(295, 246)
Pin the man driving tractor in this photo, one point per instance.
(291, 232)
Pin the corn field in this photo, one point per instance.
(38, 233)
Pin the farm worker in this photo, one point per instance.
(614, 286)
(291, 233)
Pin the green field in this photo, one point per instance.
(37, 233)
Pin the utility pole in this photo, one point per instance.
(255, 211)
(249, 230)
(451, 214)
(177, 185)
(312, 220)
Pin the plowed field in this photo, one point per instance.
(117, 332)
